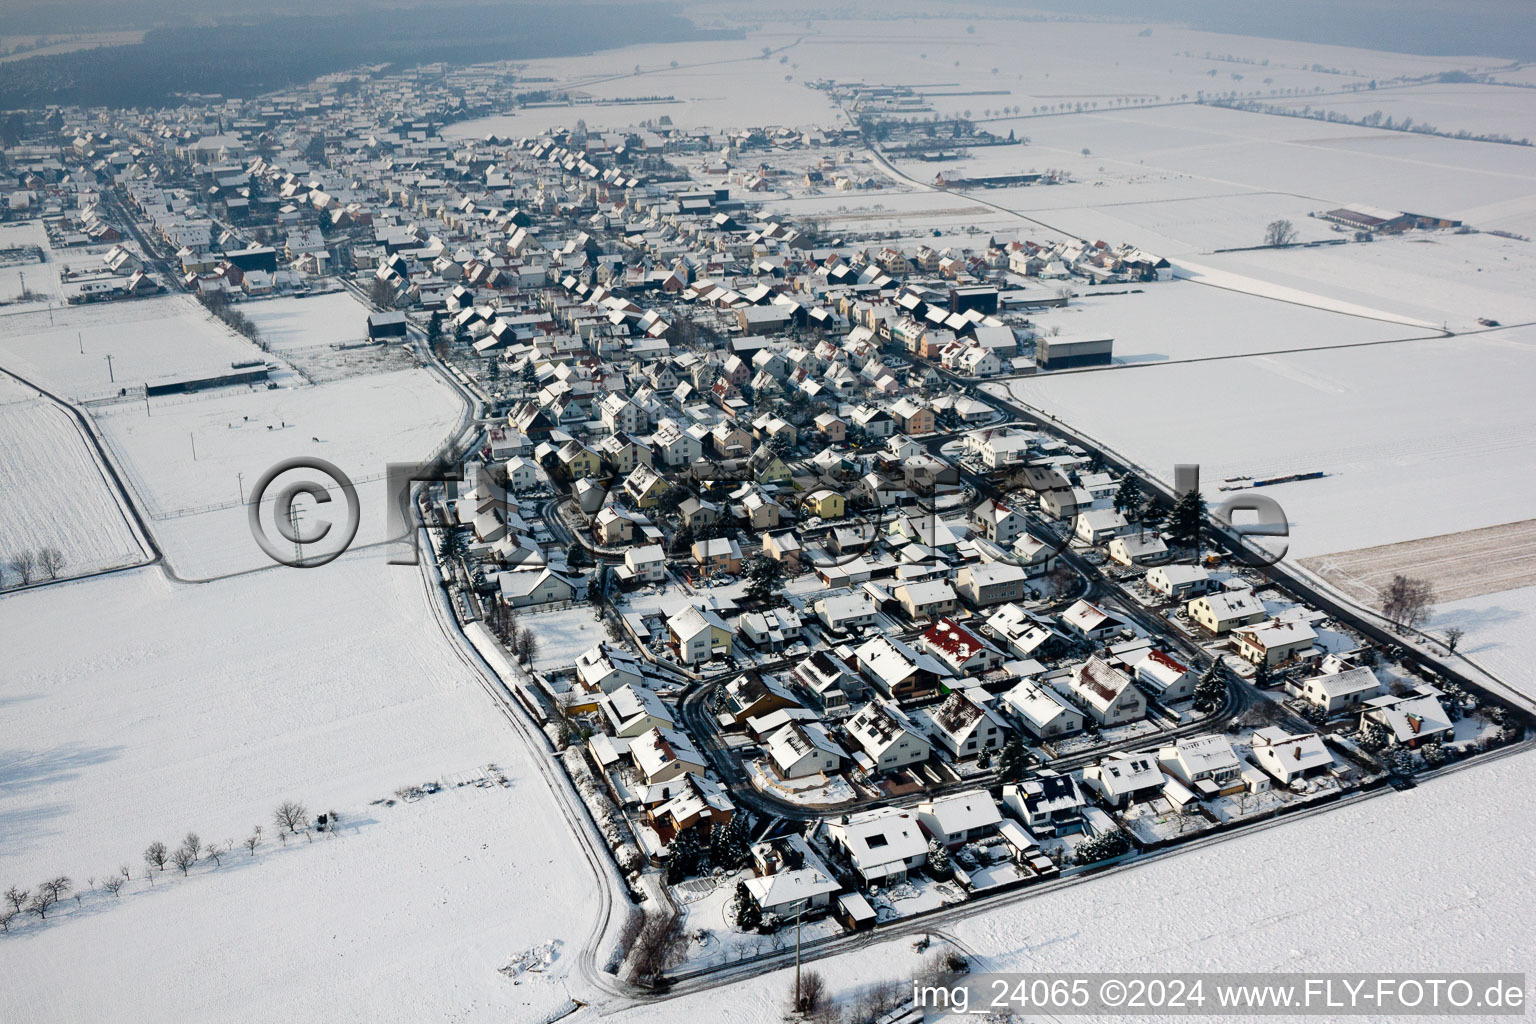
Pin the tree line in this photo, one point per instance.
(24, 567)
(289, 818)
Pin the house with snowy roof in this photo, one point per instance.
(633, 709)
(1288, 757)
(1107, 693)
(1041, 711)
(1228, 610)
(803, 748)
(1050, 804)
(1122, 778)
(1162, 676)
(1412, 720)
(959, 818)
(962, 652)
(1334, 692)
(962, 726)
(886, 737)
(661, 755)
(883, 844)
(1274, 643)
(1087, 620)
(1205, 764)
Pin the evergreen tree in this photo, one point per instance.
(1128, 497)
(1011, 761)
(685, 858)
(938, 859)
(763, 576)
(493, 371)
(727, 845)
(748, 914)
(1211, 689)
(1187, 518)
(434, 330)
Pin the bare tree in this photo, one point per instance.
(290, 816)
(527, 647)
(1280, 232)
(216, 853)
(58, 887)
(23, 564)
(812, 990)
(114, 884)
(5, 918)
(253, 840)
(194, 843)
(183, 858)
(156, 856)
(52, 561)
(1453, 637)
(17, 897)
(42, 902)
(1407, 600)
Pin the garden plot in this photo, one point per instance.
(150, 341)
(407, 906)
(1387, 424)
(53, 491)
(16, 274)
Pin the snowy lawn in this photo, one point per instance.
(812, 791)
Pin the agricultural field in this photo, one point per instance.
(1458, 566)
(54, 492)
(1386, 423)
(150, 340)
(218, 711)
(191, 459)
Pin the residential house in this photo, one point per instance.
(752, 695)
(886, 738)
(804, 748)
(1050, 804)
(960, 818)
(1410, 721)
(1107, 693)
(963, 727)
(1087, 620)
(883, 845)
(532, 587)
(988, 583)
(698, 634)
(700, 805)
(846, 612)
(633, 709)
(1289, 757)
(1041, 711)
(1123, 778)
(999, 523)
(662, 755)
(1223, 612)
(1205, 764)
(1333, 692)
(644, 564)
(1180, 582)
(606, 667)
(926, 599)
(718, 555)
(1274, 643)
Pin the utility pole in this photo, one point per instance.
(79, 335)
(799, 909)
(240, 478)
(110, 377)
(193, 439)
(298, 542)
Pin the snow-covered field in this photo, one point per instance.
(1501, 632)
(330, 319)
(201, 707)
(53, 491)
(360, 424)
(1389, 424)
(1159, 323)
(155, 339)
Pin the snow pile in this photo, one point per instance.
(538, 960)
